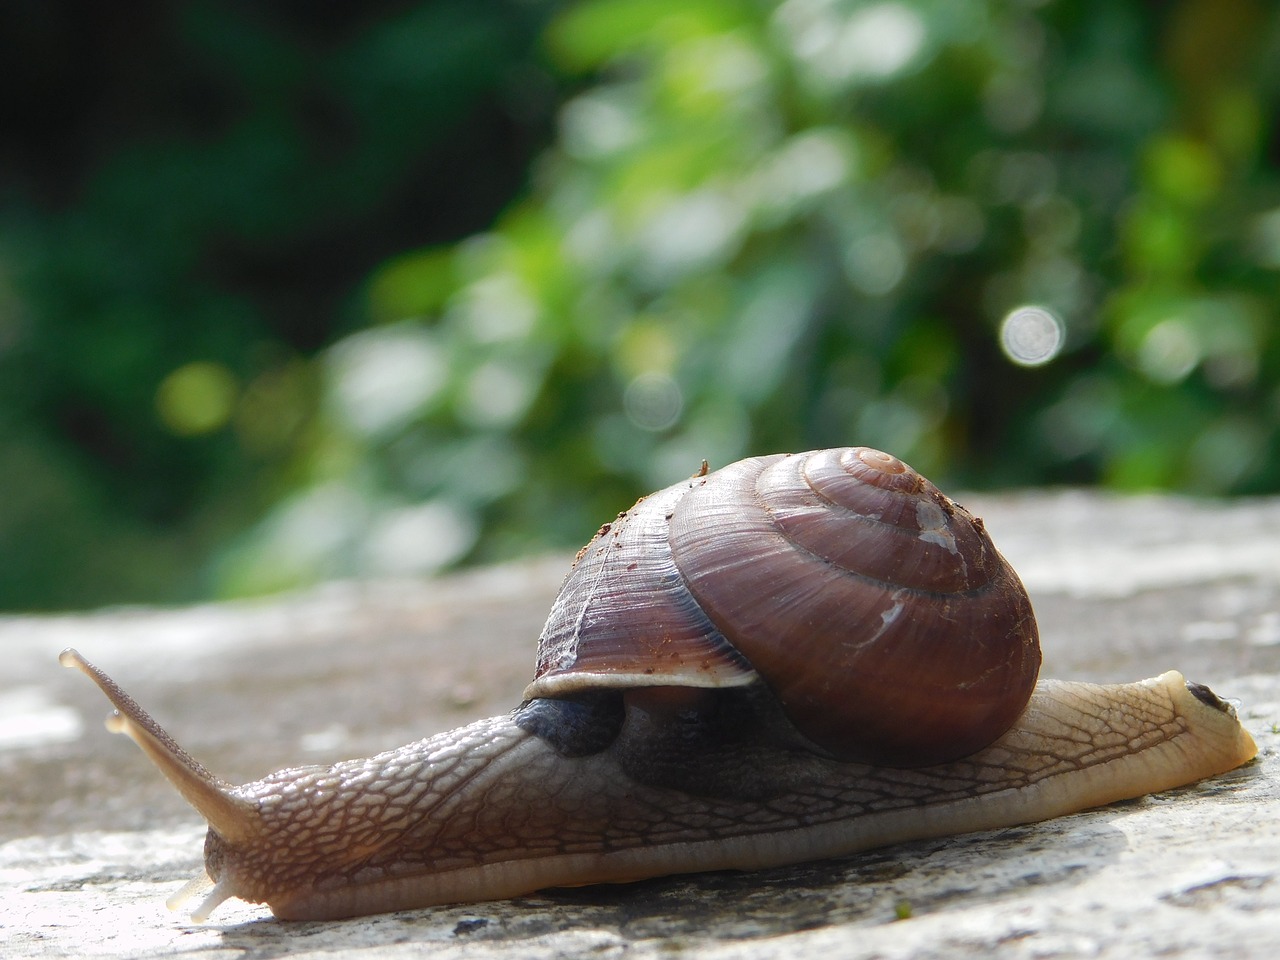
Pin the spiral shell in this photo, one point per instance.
(875, 608)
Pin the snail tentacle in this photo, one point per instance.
(212, 797)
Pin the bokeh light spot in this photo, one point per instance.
(869, 42)
(653, 401)
(382, 378)
(1169, 351)
(875, 264)
(197, 398)
(418, 539)
(1031, 336)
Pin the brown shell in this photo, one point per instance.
(876, 609)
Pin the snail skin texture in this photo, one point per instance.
(792, 658)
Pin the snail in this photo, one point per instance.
(792, 658)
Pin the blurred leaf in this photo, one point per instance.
(590, 34)
(411, 285)
(1182, 170)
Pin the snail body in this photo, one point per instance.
(792, 658)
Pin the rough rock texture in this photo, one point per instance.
(92, 840)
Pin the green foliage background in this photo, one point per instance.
(290, 293)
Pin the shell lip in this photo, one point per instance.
(562, 684)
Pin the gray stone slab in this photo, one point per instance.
(92, 840)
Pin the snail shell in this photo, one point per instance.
(874, 607)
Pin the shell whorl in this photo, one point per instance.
(875, 608)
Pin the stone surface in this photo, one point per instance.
(92, 840)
